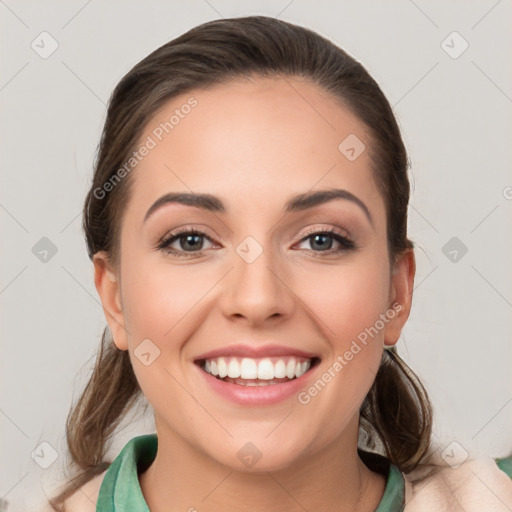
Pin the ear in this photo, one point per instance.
(108, 286)
(402, 282)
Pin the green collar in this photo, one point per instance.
(120, 490)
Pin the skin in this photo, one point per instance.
(252, 143)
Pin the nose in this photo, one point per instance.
(257, 290)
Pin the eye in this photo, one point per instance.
(323, 241)
(189, 240)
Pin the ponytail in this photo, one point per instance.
(397, 413)
(109, 394)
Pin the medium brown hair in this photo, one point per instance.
(396, 415)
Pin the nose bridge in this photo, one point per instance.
(256, 290)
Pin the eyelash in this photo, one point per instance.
(165, 242)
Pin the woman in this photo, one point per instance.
(247, 222)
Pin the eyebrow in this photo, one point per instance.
(297, 203)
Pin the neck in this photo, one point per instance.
(332, 479)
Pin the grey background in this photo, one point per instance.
(455, 114)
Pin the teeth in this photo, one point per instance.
(263, 369)
(248, 369)
(290, 368)
(279, 369)
(233, 369)
(223, 367)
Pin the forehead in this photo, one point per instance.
(263, 138)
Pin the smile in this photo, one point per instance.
(266, 371)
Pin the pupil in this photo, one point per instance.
(188, 238)
(322, 236)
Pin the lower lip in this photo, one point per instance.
(257, 395)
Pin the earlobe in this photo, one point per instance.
(402, 282)
(107, 284)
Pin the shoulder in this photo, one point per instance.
(476, 484)
(85, 497)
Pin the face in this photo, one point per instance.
(313, 278)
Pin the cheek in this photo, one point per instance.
(157, 299)
(347, 299)
(161, 306)
(348, 302)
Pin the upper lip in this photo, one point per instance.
(256, 352)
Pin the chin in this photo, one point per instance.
(257, 457)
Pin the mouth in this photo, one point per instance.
(265, 371)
